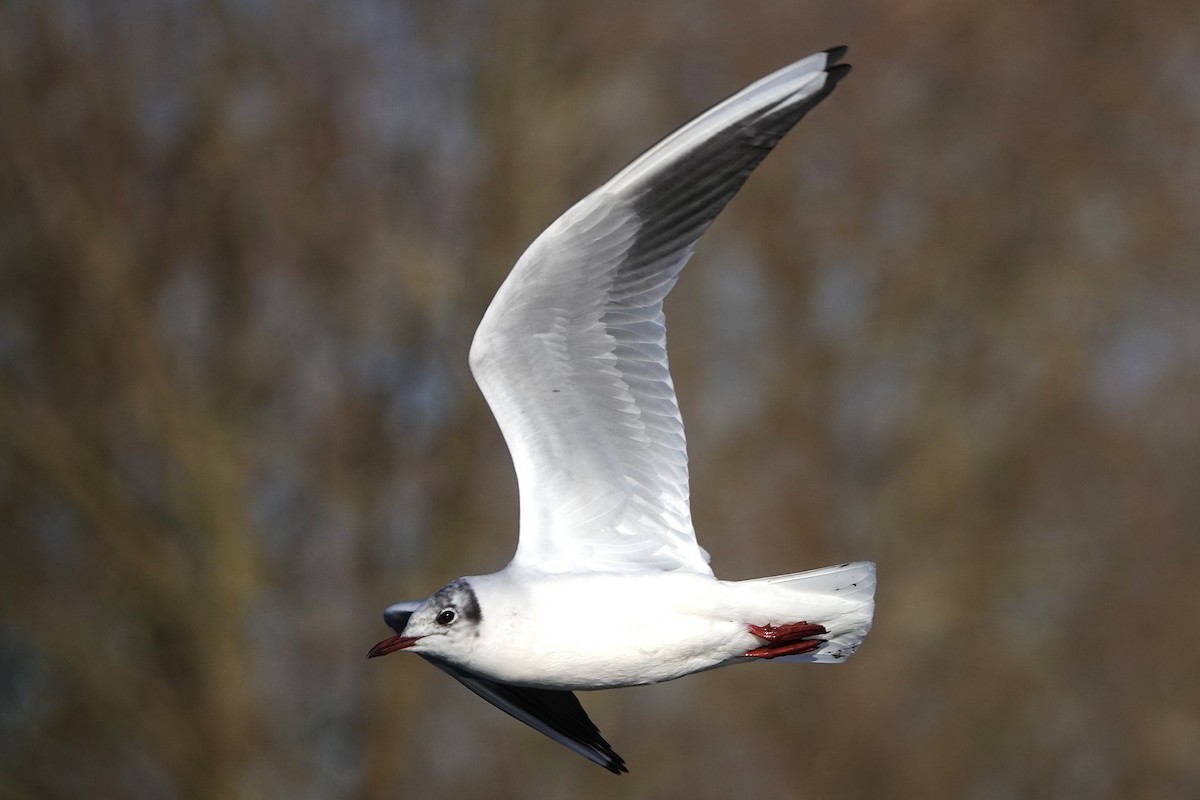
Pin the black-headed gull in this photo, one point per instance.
(608, 586)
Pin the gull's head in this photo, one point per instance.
(440, 626)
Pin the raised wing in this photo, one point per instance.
(571, 354)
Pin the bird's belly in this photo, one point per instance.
(627, 640)
(599, 660)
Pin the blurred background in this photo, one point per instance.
(952, 325)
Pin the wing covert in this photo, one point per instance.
(571, 354)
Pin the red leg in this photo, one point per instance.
(786, 640)
(787, 633)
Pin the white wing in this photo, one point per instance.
(571, 355)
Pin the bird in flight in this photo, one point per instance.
(608, 586)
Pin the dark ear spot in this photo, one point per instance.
(460, 595)
(468, 603)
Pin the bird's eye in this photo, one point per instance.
(446, 616)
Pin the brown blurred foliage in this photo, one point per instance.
(953, 325)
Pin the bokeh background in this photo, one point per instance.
(952, 325)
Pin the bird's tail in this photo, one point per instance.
(840, 598)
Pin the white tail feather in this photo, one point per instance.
(845, 595)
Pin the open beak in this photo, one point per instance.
(392, 645)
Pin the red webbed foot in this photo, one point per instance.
(786, 640)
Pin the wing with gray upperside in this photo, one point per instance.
(571, 354)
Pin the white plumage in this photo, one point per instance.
(608, 586)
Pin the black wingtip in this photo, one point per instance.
(603, 754)
(834, 54)
(616, 767)
(396, 620)
(836, 73)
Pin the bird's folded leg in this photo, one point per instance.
(786, 640)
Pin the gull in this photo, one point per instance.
(608, 586)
